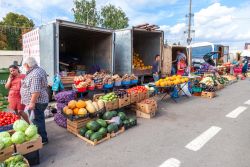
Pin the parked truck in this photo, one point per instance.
(61, 43)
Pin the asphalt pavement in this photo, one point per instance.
(195, 132)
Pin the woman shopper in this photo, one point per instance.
(181, 67)
(14, 86)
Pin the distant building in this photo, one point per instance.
(8, 58)
(247, 46)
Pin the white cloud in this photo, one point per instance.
(219, 24)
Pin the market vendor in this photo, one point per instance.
(181, 66)
(156, 68)
(14, 86)
(34, 94)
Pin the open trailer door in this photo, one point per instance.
(48, 50)
(166, 63)
(123, 52)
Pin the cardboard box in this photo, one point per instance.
(143, 96)
(147, 108)
(125, 101)
(6, 153)
(134, 97)
(97, 96)
(112, 105)
(29, 146)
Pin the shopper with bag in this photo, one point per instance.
(34, 94)
(14, 86)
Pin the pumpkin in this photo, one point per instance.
(72, 104)
(69, 112)
(75, 111)
(80, 104)
(82, 111)
(100, 104)
(90, 108)
(96, 106)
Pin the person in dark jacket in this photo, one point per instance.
(156, 68)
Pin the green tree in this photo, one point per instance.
(14, 25)
(113, 17)
(85, 12)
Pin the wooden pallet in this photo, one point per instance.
(94, 143)
(114, 134)
(145, 115)
(208, 94)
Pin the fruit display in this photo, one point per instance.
(230, 77)
(137, 89)
(108, 80)
(95, 130)
(7, 118)
(84, 81)
(138, 63)
(171, 81)
(121, 93)
(124, 119)
(82, 108)
(15, 161)
(208, 81)
(109, 97)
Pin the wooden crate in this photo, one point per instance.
(114, 134)
(147, 108)
(6, 153)
(112, 105)
(74, 126)
(96, 96)
(125, 101)
(134, 97)
(208, 94)
(145, 115)
(94, 143)
(29, 146)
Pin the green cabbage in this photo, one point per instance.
(7, 141)
(4, 134)
(36, 136)
(18, 138)
(1, 144)
(20, 125)
(31, 131)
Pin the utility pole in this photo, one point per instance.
(190, 15)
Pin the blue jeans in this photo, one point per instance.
(39, 120)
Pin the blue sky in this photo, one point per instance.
(220, 21)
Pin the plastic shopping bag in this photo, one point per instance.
(185, 90)
(30, 114)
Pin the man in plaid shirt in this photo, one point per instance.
(34, 94)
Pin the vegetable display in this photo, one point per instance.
(7, 118)
(15, 161)
(109, 97)
(3, 103)
(137, 89)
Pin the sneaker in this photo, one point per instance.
(45, 142)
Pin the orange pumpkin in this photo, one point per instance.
(75, 111)
(80, 104)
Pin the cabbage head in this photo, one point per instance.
(20, 125)
(18, 137)
(31, 131)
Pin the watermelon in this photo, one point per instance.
(102, 123)
(93, 125)
(103, 131)
(96, 136)
(114, 113)
(112, 128)
(107, 115)
(88, 134)
(82, 131)
(122, 116)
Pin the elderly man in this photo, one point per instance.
(34, 94)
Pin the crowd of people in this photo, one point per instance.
(28, 94)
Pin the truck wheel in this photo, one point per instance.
(50, 93)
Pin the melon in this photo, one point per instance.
(96, 106)
(72, 104)
(82, 111)
(80, 104)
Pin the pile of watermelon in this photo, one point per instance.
(3, 103)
